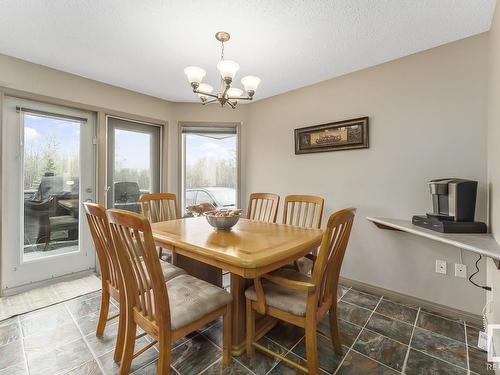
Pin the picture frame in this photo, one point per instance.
(335, 136)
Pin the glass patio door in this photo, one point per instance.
(48, 171)
(134, 162)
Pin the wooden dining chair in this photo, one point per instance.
(159, 207)
(304, 211)
(99, 229)
(110, 274)
(263, 207)
(169, 310)
(301, 300)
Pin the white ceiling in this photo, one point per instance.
(143, 45)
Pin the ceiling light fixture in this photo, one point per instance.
(227, 70)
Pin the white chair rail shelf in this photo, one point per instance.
(479, 243)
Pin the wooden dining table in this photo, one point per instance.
(249, 250)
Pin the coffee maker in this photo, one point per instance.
(453, 206)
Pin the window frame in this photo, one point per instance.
(182, 156)
(162, 146)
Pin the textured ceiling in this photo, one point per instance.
(143, 45)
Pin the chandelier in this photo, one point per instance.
(227, 70)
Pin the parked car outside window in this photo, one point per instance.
(199, 200)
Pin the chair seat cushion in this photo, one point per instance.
(279, 297)
(191, 299)
(305, 265)
(170, 271)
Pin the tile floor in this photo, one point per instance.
(379, 337)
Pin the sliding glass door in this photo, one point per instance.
(134, 162)
(48, 171)
(209, 167)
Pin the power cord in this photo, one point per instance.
(475, 273)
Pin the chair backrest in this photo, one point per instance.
(159, 207)
(303, 210)
(99, 229)
(263, 207)
(327, 266)
(140, 266)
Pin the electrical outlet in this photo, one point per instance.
(461, 270)
(441, 266)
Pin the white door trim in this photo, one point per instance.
(16, 273)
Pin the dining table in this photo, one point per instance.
(247, 251)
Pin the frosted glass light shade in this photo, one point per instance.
(234, 92)
(194, 74)
(228, 68)
(250, 83)
(205, 87)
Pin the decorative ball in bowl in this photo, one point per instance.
(223, 219)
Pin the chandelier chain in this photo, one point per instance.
(221, 59)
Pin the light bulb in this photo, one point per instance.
(205, 87)
(234, 92)
(228, 68)
(195, 74)
(250, 83)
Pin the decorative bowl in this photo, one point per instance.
(224, 223)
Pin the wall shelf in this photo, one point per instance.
(479, 243)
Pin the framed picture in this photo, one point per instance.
(335, 136)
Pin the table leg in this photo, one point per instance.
(238, 286)
(263, 325)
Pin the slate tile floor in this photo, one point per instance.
(379, 336)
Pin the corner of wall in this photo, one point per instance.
(493, 274)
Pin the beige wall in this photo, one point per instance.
(24, 79)
(23, 76)
(494, 163)
(427, 114)
(427, 120)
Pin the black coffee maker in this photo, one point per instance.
(454, 206)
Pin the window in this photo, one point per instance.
(209, 168)
(190, 197)
(50, 184)
(134, 155)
